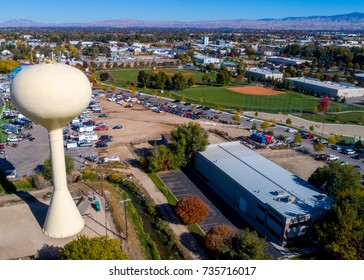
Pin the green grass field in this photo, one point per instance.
(344, 118)
(291, 102)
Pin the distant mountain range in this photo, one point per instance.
(353, 21)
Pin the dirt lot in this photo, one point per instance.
(140, 123)
(256, 90)
(294, 162)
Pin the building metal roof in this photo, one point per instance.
(287, 193)
(326, 84)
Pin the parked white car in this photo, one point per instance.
(13, 139)
(291, 130)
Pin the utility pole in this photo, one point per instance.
(125, 217)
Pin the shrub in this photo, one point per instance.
(89, 175)
(288, 121)
(38, 181)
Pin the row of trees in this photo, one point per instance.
(161, 80)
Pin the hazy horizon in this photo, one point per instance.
(187, 10)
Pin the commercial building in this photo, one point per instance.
(264, 73)
(286, 61)
(203, 59)
(359, 77)
(205, 40)
(328, 88)
(278, 204)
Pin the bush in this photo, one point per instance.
(89, 175)
(312, 128)
(23, 184)
(288, 121)
(191, 209)
(39, 182)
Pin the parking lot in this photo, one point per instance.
(182, 183)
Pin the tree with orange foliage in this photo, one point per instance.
(218, 240)
(191, 209)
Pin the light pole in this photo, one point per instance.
(123, 202)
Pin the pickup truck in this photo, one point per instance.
(332, 157)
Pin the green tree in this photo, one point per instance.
(359, 145)
(191, 82)
(312, 128)
(47, 170)
(338, 109)
(187, 140)
(236, 117)
(265, 125)
(223, 77)
(298, 138)
(205, 79)
(342, 231)
(254, 126)
(288, 121)
(178, 81)
(246, 245)
(335, 179)
(95, 248)
(160, 158)
(315, 110)
(332, 140)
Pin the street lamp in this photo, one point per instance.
(123, 202)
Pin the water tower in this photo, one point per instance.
(52, 95)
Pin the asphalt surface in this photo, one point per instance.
(185, 183)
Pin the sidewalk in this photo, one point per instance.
(320, 128)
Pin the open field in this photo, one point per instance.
(256, 90)
(349, 117)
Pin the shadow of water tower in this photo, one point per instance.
(52, 95)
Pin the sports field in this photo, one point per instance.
(256, 90)
(249, 98)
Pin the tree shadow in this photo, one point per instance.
(166, 213)
(48, 252)
(38, 209)
(192, 243)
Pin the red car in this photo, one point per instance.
(89, 122)
(2, 147)
(100, 144)
(102, 127)
(309, 136)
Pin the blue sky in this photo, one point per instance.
(181, 10)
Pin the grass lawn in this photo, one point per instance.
(344, 118)
(162, 187)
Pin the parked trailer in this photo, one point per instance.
(88, 137)
(86, 128)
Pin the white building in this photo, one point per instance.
(327, 88)
(264, 73)
(286, 61)
(203, 59)
(205, 40)
(280, 205)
